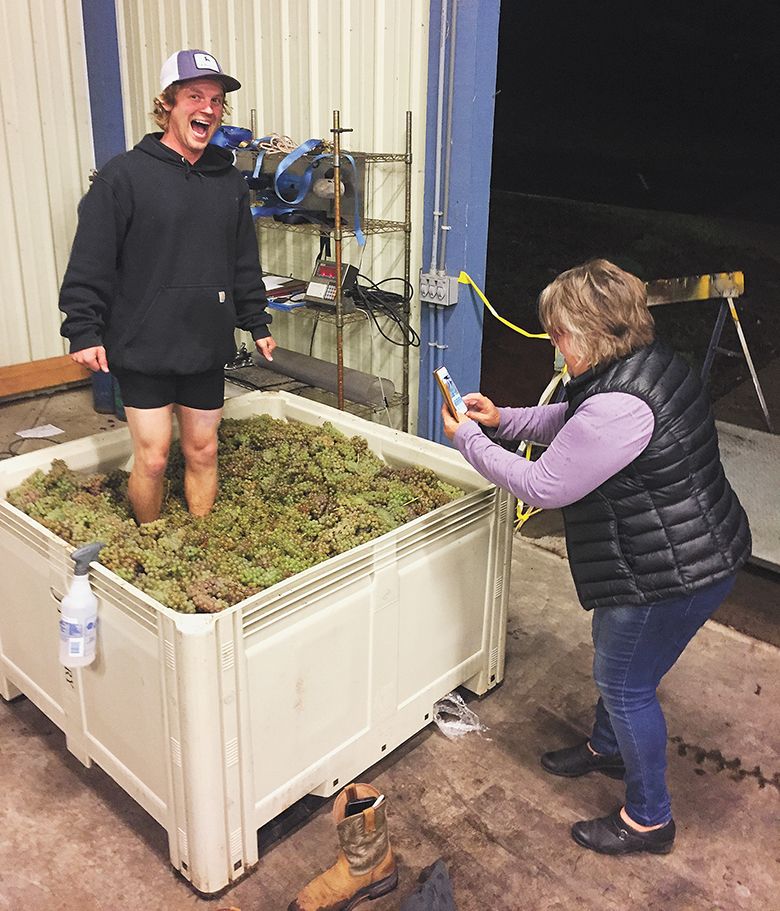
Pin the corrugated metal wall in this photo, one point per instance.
(298, 60)
(45, 160)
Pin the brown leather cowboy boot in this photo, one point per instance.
(365, 867)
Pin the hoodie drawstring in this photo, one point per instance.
(189, 169)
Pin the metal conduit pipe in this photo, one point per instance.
(436, 347)
(445, 225)
(442, 345)
(439, 125)
(429, 318)
(432, 316)
(441, 333)
(436, 330)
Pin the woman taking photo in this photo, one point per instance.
(654, 532)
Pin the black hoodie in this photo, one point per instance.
(164, 264)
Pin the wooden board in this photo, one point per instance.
(34, 375)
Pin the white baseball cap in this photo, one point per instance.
(194, 64)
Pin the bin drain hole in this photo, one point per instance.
(237, 865)
(335, 782)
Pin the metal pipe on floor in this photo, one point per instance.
(363, 388)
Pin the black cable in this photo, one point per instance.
(313, 331)
(376, 301)
(10, 454)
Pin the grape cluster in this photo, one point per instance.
(291, 495)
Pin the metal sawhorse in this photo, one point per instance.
(725, 286)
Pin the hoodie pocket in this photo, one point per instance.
(186, 329)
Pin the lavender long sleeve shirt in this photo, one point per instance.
(606, 433)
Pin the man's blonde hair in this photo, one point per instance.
(602, 309)
(168, 96)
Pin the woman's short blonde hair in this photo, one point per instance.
(602, 309)
(168, 96)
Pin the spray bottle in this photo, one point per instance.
(78, 612)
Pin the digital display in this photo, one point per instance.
(326, 270)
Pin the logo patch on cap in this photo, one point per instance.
(206, 62)
(193, 64)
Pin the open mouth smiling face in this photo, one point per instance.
(195, 117)
(201, 128)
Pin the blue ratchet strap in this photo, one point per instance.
(305, 182)
(256, 144)
(268, 211)
(230, 137)
(303, 149)
(360, 237)
(258, 164)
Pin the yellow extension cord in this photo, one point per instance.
(523, 513)
(465, 279)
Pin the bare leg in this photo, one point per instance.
(198, 431)
(151, 431)
(635, 825)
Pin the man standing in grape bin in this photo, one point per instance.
(164, 267)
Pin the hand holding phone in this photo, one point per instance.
(482, 409)
(450, 392)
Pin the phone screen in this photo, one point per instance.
(358, 805)
(450, 391)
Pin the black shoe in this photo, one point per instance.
(575, 761)
(610, 835)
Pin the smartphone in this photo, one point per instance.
(450, 392)
(357, 806)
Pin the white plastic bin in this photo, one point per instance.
(215, 723)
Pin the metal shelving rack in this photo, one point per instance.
(370, 226)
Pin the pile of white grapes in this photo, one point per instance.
(290, 495)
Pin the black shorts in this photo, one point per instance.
(204, 391)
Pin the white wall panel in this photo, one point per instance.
(45, 159)
(298, 60)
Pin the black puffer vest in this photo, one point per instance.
(668, 523)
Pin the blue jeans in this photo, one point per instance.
(634, 648)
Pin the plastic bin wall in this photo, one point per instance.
(216, 723)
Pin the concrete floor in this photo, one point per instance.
(72, 840)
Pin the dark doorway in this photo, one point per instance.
(645, 133)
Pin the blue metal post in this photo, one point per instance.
(105, 87)
(476, 55)
(108, 133)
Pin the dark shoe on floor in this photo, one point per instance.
(575, 761)
(610, 835)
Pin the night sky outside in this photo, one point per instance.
(665, 105)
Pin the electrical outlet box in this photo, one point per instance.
(441, 290)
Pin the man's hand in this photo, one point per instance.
(93, 359)
(481, 409)
(266, 346)
(450, 423)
